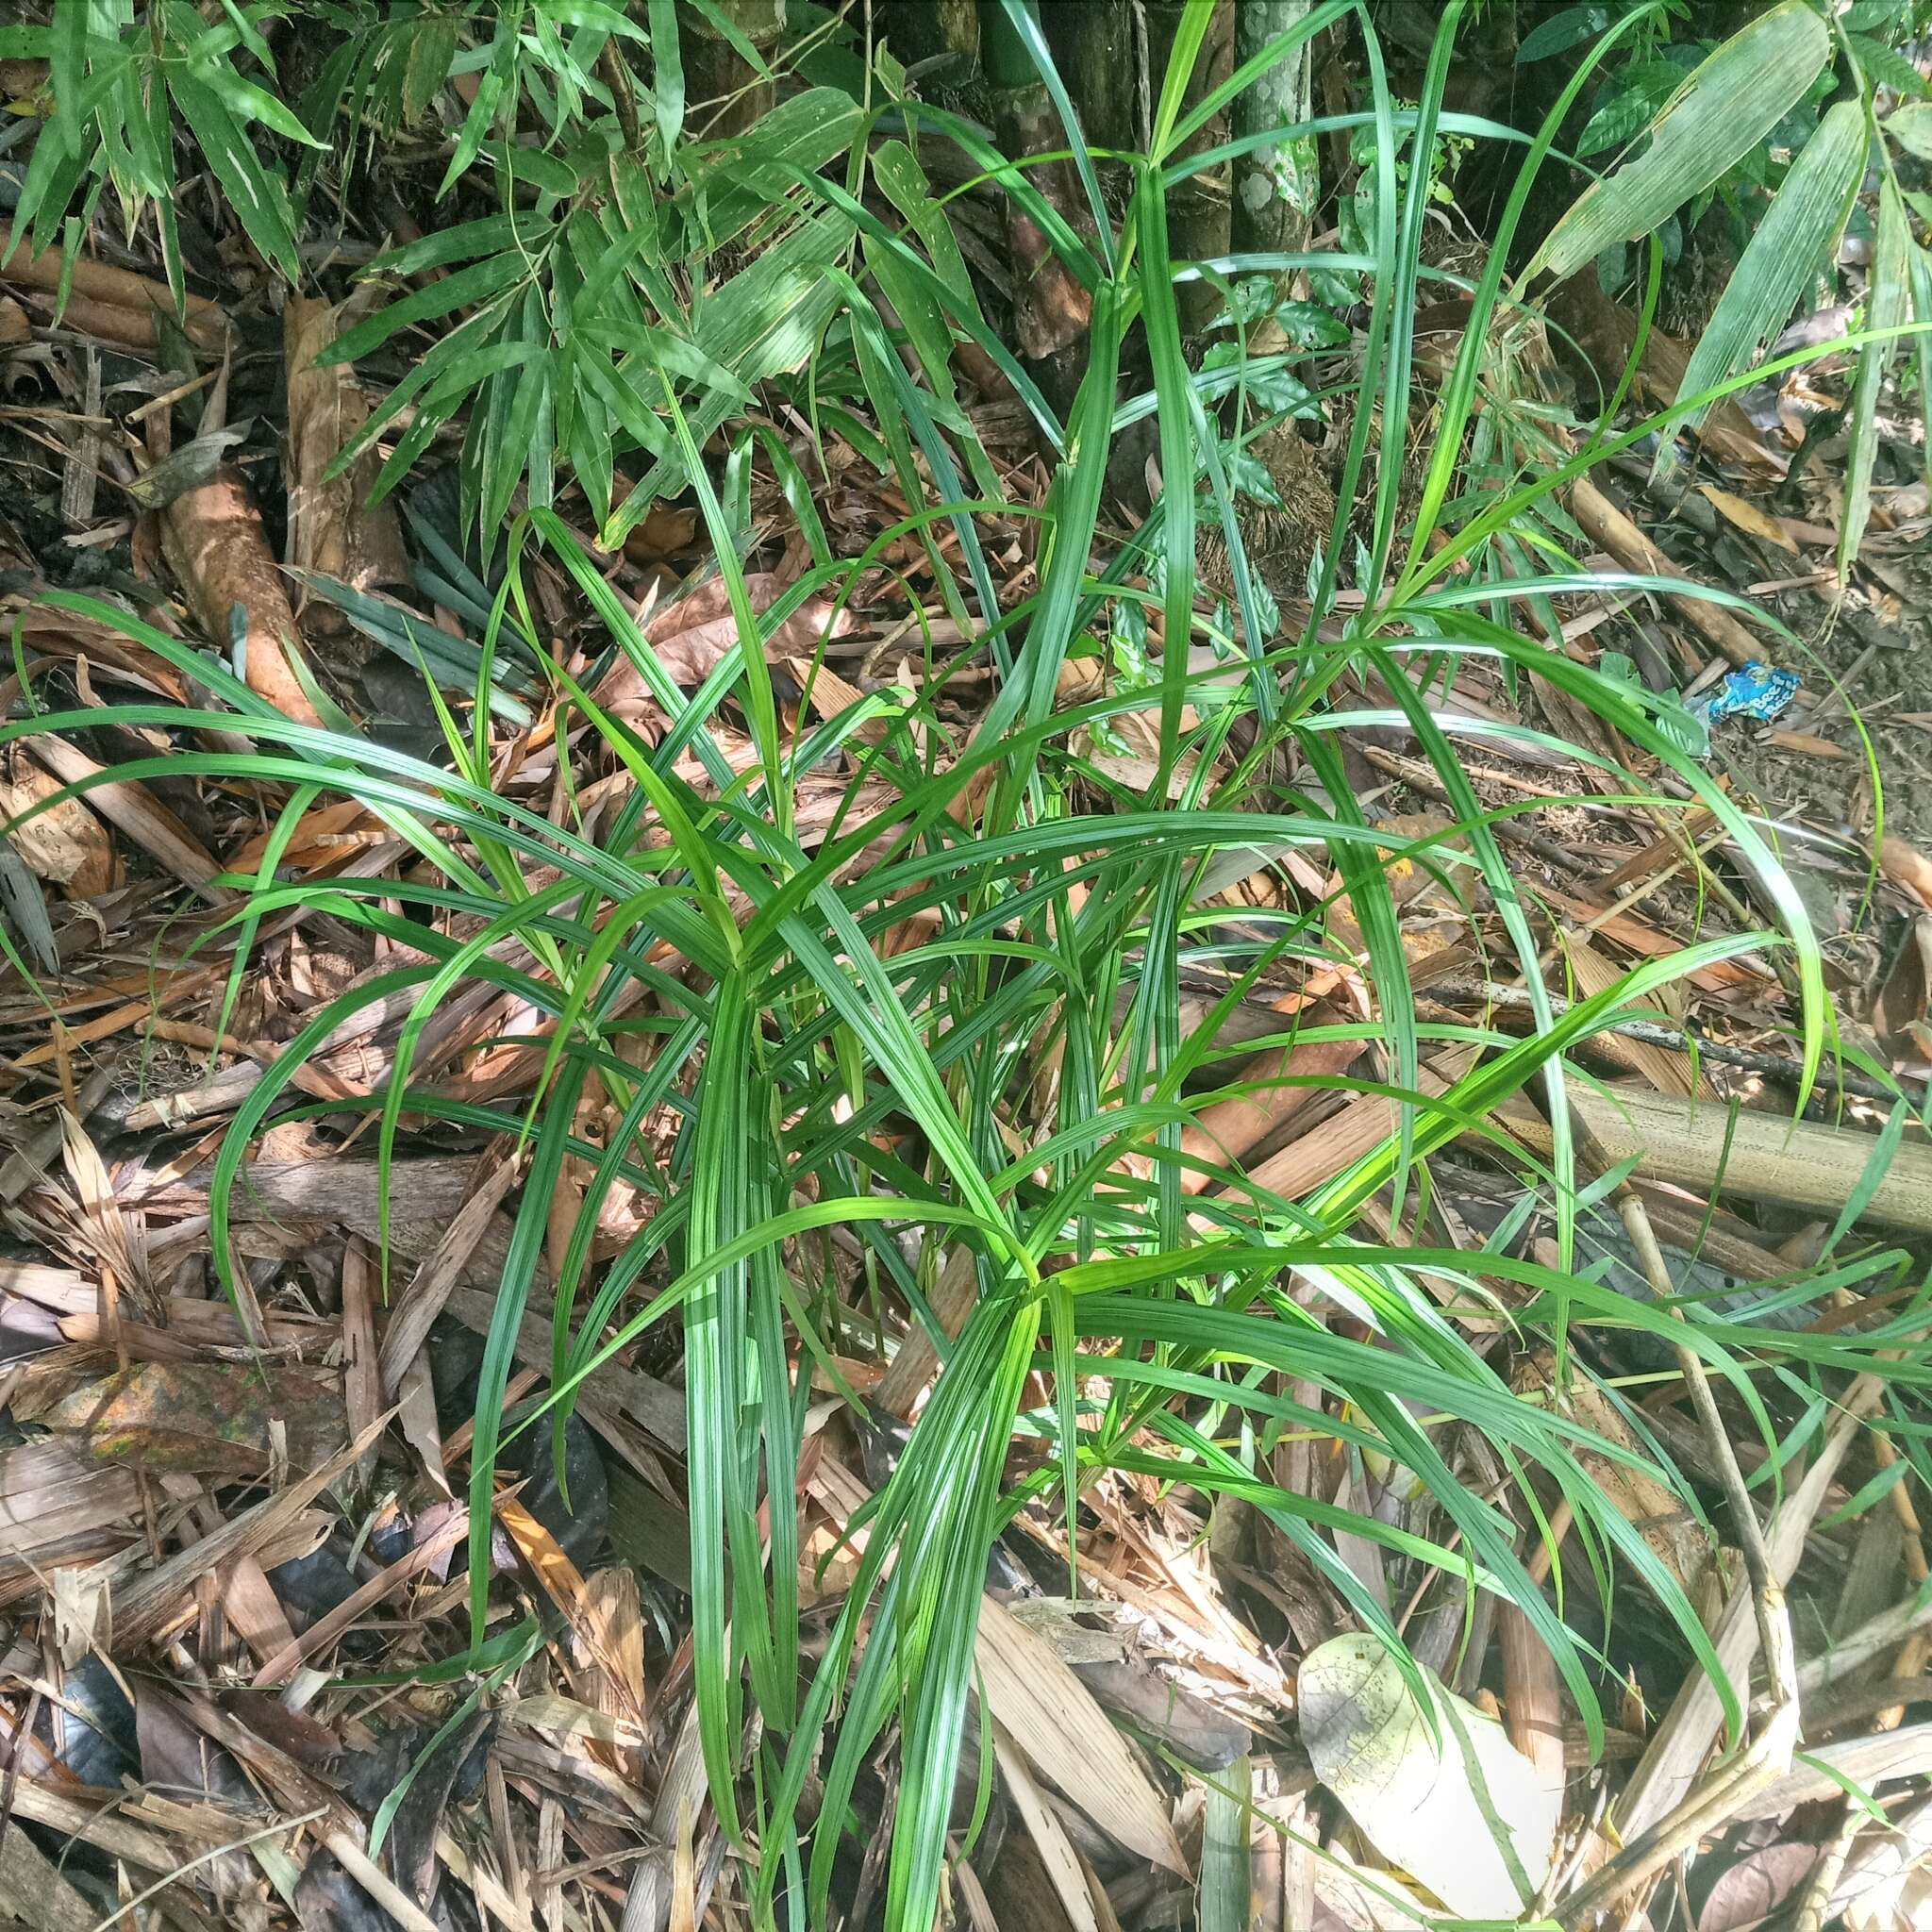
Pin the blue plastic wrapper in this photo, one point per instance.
(1754, 691)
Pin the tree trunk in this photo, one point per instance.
(940, 37)
(1276, 186)
(1197, 210)
(727, 95)
(1097, 50)
(1051, 310)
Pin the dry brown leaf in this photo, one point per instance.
(666, 531)
(332, 529)
(1440, 1790)
(1906, 868)
(1640, 1498)
(202, 1417)
(1751, 1890)
(66, 844)
(1304, 1165)
(57, 1508)
(136, 811)
(1057, 1721)
(1748, 516)
(1669, 1072)
(692, 635)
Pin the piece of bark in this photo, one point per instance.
(1304, 1165)
(34, 1891)
(213, 541)
(141, 1610)
(910, 1370)
(1227, 1130)
(419, 1304)
(330, 531)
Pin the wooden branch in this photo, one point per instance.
(1768, 1157)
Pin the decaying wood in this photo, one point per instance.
(422, 1300)
(1229, 1129)
(113, 288)
(65, 843)
(135, 810)
(214, 544)
(913, 1367)
(1701, 1146)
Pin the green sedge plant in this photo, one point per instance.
(819, 1077)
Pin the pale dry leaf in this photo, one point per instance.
(1057, 1854)
(1457, 1808)
(693, 635)
(1057, 1721)
(65, 844)
(1748, 516)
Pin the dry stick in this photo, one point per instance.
(1813, 1902)
(1910, 1659)
(1785, 1068)
(616, 76)
(1693, 1720)
(1911, 1656)
(1768, 1756)
(1884, 1858)
(1614, 529)
(378, 1884)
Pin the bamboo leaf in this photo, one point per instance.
(1726, 107)
(1795, 239)
(1886, 309)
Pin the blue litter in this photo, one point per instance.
(1755, 691)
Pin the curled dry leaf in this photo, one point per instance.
(1657, 1515)
(1748, 516)
(1442, 1793)
(1907, 868)
(65, 844)
(102, 286)
(693, 634)
(137, 812)
(330, 529)
(1749, 1892)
